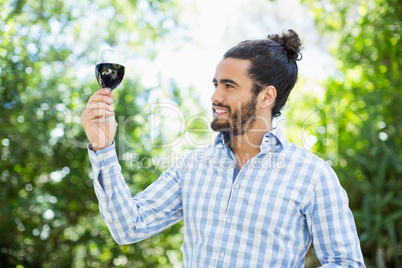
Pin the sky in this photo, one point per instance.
(190, 53)
(207, 29)
(217, 26)
(213, 27)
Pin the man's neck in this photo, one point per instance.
(247, 145)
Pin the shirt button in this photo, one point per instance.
(237, 186)
(228, 220)
(222, 254)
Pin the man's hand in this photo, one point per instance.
(98, 119)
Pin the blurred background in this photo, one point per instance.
(346, 108)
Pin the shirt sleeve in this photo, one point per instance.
(333, 229)
(131, 219)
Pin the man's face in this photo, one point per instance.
(233, 104)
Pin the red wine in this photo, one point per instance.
(109, 75)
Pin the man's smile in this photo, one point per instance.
(220, 111)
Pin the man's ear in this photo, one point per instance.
(267, 97)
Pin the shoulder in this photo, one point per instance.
(300, 154)
(317, 167)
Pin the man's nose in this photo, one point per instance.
(218, 96)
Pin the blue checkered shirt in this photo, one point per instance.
(265, 215)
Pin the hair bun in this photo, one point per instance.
(291, 42)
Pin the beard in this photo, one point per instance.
(239, 121)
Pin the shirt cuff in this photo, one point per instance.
(103, 157)
(101, 161)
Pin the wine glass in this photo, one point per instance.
(109, 72)
(109, 69)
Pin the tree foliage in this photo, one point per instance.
(364, 99)
(49, 215)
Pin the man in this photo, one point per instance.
(252, 199)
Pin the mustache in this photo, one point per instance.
(221, 105)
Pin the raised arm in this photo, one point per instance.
(129, 219)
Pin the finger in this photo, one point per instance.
(99, 105)
(96, 113)
(96, 106)
(107, 123)
(103, 91)
(101, 98)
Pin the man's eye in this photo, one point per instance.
(229, 86)
(215, 85)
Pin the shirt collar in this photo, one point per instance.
(275, 134)
(220, 140)
(274, 139)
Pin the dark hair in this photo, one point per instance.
(273, 62)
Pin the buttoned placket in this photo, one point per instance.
(228, 218)
(230, 208)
